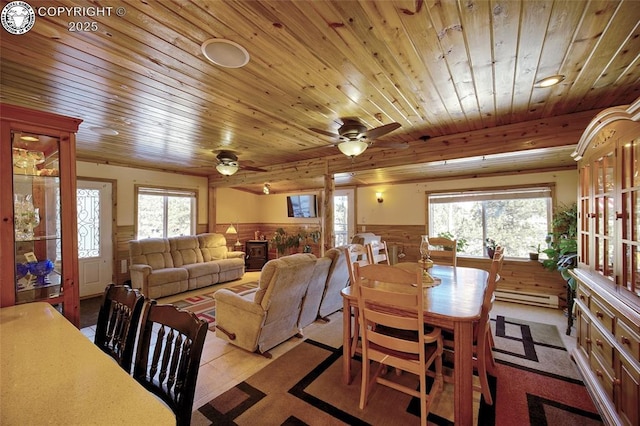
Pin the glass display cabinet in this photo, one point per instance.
(38, 239)
(607, 304)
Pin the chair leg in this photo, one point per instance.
(424, 405)
(482, 351)
(364, 384)
(356, 332)
(489, 355)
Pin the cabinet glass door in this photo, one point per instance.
(585, 213)
(630, 215)
(37, 226)
(604, 204)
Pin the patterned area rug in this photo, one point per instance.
(204, 305)
(304, 387)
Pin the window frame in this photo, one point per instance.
(192, 193)
(550, 186)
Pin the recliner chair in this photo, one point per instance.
(259, 321)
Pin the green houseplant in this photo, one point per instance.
(562, 253)
(491, 245)
(283, 241)
(461, 242)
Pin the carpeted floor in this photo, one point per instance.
(304, 386)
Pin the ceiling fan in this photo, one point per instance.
(228, 163)
(353, 137)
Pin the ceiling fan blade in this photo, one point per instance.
(382, 130)
(253, 169)
(331, 145)
(324, 132)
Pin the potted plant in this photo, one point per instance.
(562, 253)
(284, 241)
(461, 242)
(491, 245)
(306, 236)
(534, 254)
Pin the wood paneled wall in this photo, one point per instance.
(521, 275)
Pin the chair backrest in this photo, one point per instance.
(492, 283)
(443, 251)
(377, 306)
(168, 356)
(117, 325)
(377, 252)
(355, 254)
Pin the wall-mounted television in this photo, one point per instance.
(302, 206)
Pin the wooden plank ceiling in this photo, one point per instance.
(459, 76)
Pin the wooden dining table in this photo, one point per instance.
(453, 303)
(50, 373)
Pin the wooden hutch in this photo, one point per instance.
(608, 273)
(38, 230)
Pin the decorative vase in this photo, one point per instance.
(41, 271)
(491, 252)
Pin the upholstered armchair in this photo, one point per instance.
(259, 321)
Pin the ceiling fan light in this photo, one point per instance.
(227, 169)
(352, 148)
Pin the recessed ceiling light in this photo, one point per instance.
(29, 138)
(105, 131)
(550, 81)
(225, 53)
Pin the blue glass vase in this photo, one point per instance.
(41, 271)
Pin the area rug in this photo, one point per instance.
(204, 305)
(304, 387)
(534, 346)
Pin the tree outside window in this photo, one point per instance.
(164, 212)
(517, 219)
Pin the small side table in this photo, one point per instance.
(257, 252)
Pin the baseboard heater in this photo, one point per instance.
(536, 299)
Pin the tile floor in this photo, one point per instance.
(223, 365)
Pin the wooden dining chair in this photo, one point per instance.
(117, 324)
(377, 252)
(168, 356)
(443, 251)
(482, 337)
(394, 333)
(355, 254)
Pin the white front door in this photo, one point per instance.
(95, 248)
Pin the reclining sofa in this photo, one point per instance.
(293, 292)
(166, 266)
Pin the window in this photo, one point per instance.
(516, 218)
(164, 212)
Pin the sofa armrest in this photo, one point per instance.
(235, 254)
(139, 276)
(240, 318)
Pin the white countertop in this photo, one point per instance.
(50, 373)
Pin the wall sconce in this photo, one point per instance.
(266, 189)
(379, 197)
